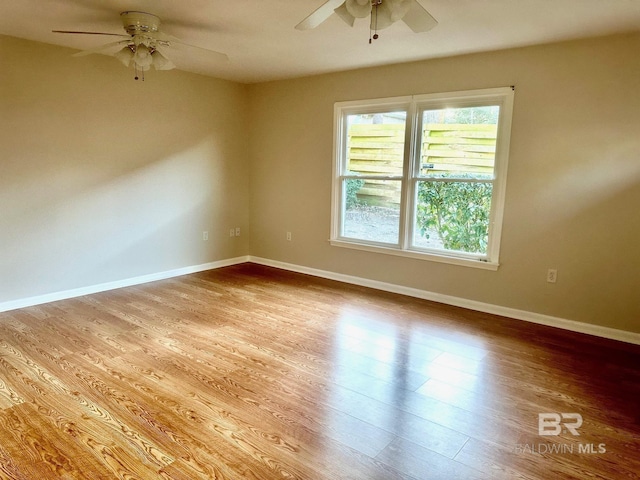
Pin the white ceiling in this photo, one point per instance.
(262, 44)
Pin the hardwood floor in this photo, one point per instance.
(253, 372)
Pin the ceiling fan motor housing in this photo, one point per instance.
(139, 22)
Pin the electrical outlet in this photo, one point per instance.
(205, 236)
(552, 275)
(237, 231)
(288, 236)
(232, 232)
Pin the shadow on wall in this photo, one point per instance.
(584, 218)
(94, 162)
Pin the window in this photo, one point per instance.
(423, 176)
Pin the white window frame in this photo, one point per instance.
(414, 106)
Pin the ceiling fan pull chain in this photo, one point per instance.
(138, 72)
(374, 13)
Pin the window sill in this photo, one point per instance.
(431, 257)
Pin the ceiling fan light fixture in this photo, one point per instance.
(398, 8)
(125, 55)
(381, 16)
(344, 14)
(359, 8)
(160, 62)
(142, 58)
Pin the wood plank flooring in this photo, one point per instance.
(249, 372)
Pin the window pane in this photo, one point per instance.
(372, 210)
(459, 142)
(453, 216)
(375, 143)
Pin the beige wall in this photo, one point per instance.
(573, 194)
(103, 178)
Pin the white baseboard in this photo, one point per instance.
(572, 325)
(128, 282)
(590, 329)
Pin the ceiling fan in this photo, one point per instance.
(143, 46)
(382, 12)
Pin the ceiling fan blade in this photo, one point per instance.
(101, 48)
(174, 41)
(345, 15)
(319, 15)
(418, 19)
(91, 33)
